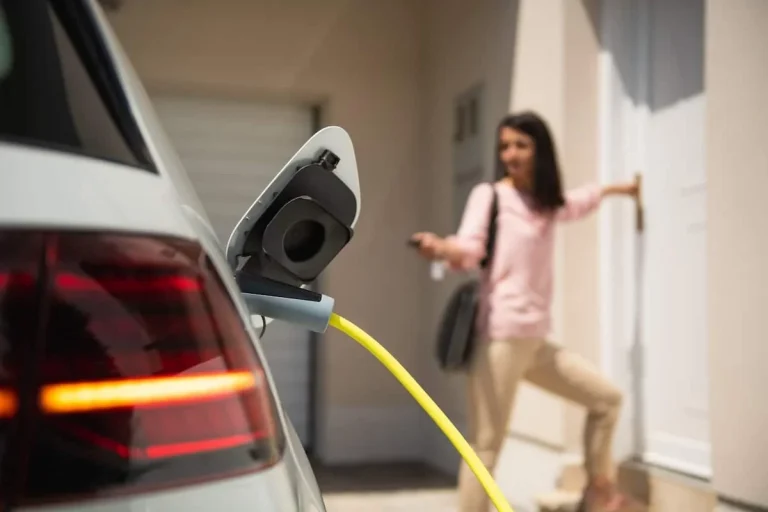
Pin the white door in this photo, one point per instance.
(231, 151)
(656, 73)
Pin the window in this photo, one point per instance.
(58, 85)
(473, 121)
(458, 134)
(469, 167)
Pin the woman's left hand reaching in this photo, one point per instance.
(631, 189)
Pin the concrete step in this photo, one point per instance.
(661, 490)
(572, 478)
(558, 501)
(568, 501)
(666, 490)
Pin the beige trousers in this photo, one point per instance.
(496, 370)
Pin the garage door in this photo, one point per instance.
(231, 151)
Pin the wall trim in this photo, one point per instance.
(621, 118)
(661, 445)
(541, 443)
(735, 505)
(573, 459)
(605, 252)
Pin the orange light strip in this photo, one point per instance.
(8, 403)
(90, 396)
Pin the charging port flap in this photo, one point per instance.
(304, 217)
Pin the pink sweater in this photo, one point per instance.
(517, 290)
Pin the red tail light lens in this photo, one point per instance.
(124, 366)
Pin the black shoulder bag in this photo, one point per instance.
(456, 337)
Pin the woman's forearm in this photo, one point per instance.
(450, 252)
(447, 249)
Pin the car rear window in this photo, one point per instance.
(58, 86)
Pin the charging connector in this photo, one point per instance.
(273, 299)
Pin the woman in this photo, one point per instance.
(514, 319)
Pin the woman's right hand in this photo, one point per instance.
(429, 245)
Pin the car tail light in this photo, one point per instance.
(124, 366)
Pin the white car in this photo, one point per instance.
(131, 377)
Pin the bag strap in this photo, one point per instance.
(490, 242)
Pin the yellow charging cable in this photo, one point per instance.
(429, 405)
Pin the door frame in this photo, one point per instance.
(623, 114)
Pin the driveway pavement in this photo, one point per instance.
(386, 488)
(524, 471)
(393, 501)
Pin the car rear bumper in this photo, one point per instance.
(270, 490)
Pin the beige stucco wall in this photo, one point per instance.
(737, 174)
(361, 61)
(464, 47)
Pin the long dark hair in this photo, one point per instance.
(547, 189)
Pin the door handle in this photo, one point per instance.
(639, 213)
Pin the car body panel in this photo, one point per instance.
(55, 189)
(268, 490)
